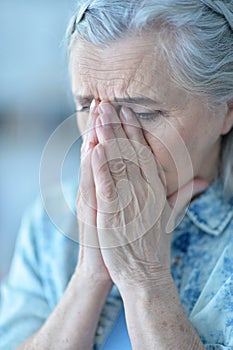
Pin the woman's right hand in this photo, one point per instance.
(90, 264)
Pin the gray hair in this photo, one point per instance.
(201, 54)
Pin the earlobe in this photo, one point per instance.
(228, 122)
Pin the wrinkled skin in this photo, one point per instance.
(182, 128)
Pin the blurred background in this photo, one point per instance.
(35, 97)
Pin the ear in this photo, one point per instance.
(228, 121)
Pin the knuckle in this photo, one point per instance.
(112, 149)
(144, 154)
(131, 159)
(117, 166)
(116, 126)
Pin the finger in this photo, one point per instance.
(86, 186)
(109, 116)
(86, 204)
(106, 192)
(132, 127)
(91, 138)
(117, 146)
(125, 176)
(116, 164)
(146, 159)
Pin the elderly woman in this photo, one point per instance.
(153, 85)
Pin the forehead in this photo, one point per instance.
(133, 67)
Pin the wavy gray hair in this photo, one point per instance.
(201, 54)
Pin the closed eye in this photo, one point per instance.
(146, 117)
(152, 116)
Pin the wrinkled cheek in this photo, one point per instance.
(162, 151)
(173, 159)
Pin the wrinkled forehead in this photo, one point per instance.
(128, 68)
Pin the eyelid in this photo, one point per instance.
(149, 116)
(144, 116)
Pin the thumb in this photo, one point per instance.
(182, 197)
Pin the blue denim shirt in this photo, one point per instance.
(201, 266)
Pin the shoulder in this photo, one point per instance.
(48, 239)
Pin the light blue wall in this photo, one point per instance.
(35, 97)
(31, 51)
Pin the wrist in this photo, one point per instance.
(160, 281)
(91, 281)
(155, 316)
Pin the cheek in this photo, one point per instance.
(173, 156)
(162, 152)
(167, 146)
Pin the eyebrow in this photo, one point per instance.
(132, 100)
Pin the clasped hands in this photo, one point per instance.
(122, 208)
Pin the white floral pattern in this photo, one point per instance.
(201, 265)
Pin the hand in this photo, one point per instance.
(90, 263)
(132, 208)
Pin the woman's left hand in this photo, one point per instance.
(132, 208)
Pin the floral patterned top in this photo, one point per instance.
(201, 266)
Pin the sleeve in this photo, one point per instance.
(23, 306)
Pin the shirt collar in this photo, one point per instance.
(211, 212)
